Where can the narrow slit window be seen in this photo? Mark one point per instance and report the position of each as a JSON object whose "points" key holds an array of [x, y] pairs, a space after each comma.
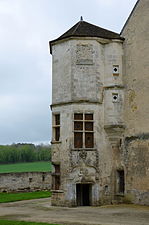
{"points": [[120, 181], [57, 133], [56, 177], [57, 119], [56, 127]]}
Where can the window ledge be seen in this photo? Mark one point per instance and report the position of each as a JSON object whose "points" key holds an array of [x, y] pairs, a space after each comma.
{"points": [[56, 142], [120, 194], [83, 149], [57, 191]]}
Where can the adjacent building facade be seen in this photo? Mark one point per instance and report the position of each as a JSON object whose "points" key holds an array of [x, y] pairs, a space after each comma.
{"points": [[100, 113]]}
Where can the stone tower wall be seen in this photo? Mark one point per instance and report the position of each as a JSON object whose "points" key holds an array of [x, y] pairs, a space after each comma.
{"points": [[136, 113], [84, 82]]}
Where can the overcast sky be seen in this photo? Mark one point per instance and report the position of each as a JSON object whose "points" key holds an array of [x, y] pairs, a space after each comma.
{"points": [[26, 26]]}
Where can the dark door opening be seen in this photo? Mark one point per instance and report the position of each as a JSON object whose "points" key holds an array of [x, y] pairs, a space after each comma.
{"points": [[121, 181], [83, 194]]}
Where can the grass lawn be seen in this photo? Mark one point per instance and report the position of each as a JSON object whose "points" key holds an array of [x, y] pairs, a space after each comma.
{"points": [[13, 222], [26, 167], [12, 197]]}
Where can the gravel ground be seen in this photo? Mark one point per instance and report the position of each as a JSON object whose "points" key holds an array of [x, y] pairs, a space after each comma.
{"points": [[40, 210]]}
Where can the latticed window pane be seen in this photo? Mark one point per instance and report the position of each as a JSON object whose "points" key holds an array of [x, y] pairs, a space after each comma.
{"points": [[78, 116], [78, 125], [88, 116], [89, 126], [89, 143], [78, 140]]}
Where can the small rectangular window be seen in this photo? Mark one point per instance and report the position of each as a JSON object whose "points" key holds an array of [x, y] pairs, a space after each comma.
{"points": [[57, 182], [56, 127], [57, 119], [115, 70], [115, 97], [56, 177], [57, 133], [57, 168]]}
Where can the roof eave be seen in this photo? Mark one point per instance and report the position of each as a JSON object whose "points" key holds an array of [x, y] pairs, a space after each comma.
{"points": [[72, 37]]}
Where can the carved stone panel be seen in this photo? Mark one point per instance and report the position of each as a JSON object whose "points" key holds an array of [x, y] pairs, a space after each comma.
{"points": [[88, 158], [83, 174], [84, 54]]}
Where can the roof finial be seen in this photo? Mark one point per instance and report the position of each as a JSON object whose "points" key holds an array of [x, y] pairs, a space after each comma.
{"points": [[81, 18]]}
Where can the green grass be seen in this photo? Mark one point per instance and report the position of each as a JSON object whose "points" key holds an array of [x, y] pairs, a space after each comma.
{"points": [[14, 222], [12, 197], [26, 167]]}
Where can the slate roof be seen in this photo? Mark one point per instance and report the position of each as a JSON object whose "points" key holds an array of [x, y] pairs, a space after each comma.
{"points": [[84, 29]]}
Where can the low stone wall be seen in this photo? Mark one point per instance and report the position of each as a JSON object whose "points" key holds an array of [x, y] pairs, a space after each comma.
{"points": [[26, 181]]}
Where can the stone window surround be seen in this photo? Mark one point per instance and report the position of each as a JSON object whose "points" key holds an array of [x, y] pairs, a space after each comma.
{"points": [[120, 180], [54, 127], [83, 131], [116, 70], [56, 181]]}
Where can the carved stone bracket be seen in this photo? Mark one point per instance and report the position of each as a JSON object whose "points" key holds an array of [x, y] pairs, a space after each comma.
{"points": [[83, 154], [87, 157], [114, 133]]}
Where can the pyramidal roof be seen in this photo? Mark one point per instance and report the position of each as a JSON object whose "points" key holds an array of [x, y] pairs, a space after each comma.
{"points": [[84, 29]]}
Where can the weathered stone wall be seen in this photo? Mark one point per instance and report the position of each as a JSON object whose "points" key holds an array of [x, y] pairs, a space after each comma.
{"points": [[136, 110], [136, 58], [136, 156], [81, 67], [61, 57], [27, 181], [108, 78], [92, 88]]}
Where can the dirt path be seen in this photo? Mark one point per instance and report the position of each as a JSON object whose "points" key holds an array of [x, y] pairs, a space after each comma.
{"points": [[41, 210]]}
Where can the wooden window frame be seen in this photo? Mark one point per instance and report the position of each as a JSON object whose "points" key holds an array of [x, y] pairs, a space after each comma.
{"points": [[56, 179], [56, 127], [85, 131]]}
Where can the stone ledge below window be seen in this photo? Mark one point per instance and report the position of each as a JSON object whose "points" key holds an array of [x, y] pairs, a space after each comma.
{"points": [[57, 191], [83, 149], [119, 194], [56, 142]]}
